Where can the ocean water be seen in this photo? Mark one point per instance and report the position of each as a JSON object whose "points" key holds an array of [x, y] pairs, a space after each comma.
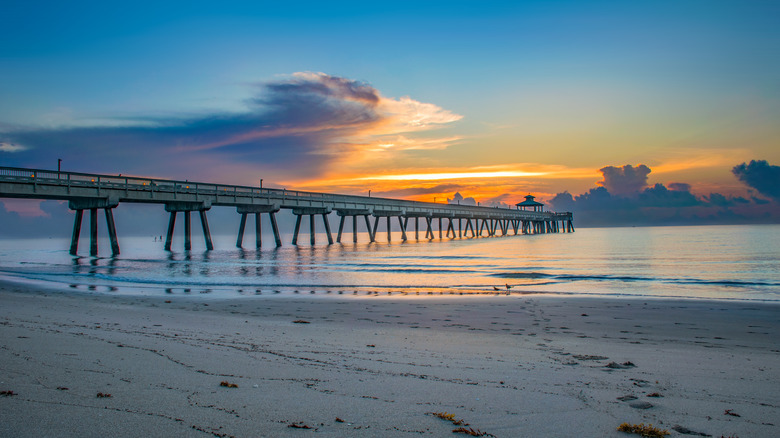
{"points": [[707, 262]]}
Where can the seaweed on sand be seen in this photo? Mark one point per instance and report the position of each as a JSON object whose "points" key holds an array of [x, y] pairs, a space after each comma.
{"points": [[449, 417], [471, 432], [640, 429], [299, 425]]}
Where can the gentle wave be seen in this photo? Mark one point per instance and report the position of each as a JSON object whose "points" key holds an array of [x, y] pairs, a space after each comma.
{"points": [[535, 275]]}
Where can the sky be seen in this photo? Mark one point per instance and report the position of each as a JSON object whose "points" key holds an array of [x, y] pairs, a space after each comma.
{"points": [[663, 112]]}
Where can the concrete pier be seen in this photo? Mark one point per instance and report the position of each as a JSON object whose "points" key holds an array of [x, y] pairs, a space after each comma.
{"points": [[92, 192]]}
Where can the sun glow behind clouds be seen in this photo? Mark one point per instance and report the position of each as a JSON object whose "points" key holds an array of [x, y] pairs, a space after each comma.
{"points": [[451, 175], [507, 182], [486, 172]]}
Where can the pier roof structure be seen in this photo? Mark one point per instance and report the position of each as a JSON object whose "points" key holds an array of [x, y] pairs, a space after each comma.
{"points": [[531, 204]]}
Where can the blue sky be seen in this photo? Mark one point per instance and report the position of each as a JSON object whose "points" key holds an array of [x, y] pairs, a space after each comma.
{"points": [[560, 89]]}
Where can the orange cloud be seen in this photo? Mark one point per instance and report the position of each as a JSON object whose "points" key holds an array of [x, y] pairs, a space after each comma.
{"points": [[699, 158]]}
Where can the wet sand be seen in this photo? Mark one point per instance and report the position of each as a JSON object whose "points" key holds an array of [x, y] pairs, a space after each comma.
{"points": [[363, 366]]}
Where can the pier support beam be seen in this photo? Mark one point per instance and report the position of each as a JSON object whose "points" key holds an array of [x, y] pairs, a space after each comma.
{"points": [[112, 231], [297, 229], [371, 231], [74, 241], [343, 213], [389, 228], [241, 227], [93, 204], [206, 232], [311, 212], [327, 228], [258, 232], [187, 208], [376, 224], [402, 223], [258, 210], [480, 226], [312, 231], [416, 216], [93, 236], [469, 225], [169, 234], [388, 214], [187, 231], [275, 229], [450, 228]]}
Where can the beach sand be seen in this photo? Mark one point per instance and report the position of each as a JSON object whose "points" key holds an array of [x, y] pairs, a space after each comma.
{"points": [[510, 366]]}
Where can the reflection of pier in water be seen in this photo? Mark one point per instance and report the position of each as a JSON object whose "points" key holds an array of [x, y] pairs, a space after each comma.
{"points": [[92, 192]]}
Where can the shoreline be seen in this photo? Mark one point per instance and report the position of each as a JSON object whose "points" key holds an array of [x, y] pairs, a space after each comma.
{"points": [[514, 365], [220, 292]]}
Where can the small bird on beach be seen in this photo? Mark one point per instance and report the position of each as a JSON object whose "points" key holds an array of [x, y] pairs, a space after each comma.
{"points": [[508, 286], [495, 288]]}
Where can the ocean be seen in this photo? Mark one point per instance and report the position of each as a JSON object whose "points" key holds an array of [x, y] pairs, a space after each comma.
{"points": [[737, 262]]}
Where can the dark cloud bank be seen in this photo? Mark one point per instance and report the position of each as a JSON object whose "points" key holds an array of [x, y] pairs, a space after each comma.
{"points": [[294, 124], [624, 199]]}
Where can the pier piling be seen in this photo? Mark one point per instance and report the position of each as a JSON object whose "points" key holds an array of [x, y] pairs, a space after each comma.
{"points": [[112, 231], [169, 234], [207, 234], [187, 231], [74, 241], [93, 232]]}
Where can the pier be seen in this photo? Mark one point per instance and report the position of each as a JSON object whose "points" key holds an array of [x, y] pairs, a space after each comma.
{"points": [[93, 192]]}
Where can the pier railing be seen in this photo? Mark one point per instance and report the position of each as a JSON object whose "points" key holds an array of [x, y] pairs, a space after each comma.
{"points": [[50, 184]]}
